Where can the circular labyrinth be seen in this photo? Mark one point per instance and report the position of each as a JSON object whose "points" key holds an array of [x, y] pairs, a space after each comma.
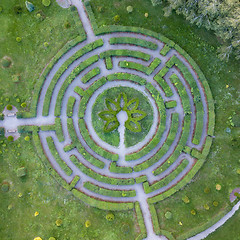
{"points": [[131, 115]]}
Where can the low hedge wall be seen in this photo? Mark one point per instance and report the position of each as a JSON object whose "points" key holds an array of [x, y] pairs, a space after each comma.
{"points": [[70, 105], [165, 181], [101, 178], [126, 76], [109, 63], [163, 84], [163, 150], [109, 192], [116, 169], [83, 65], [133, 41], [141, 179], [140, 219], [91, 74], [59, 130], [164, 51], [84, 50], [125, 53], [155, 222], [97, 149], [63, 165], [76, 143]]}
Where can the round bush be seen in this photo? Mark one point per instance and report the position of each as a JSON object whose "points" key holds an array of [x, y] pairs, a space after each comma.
{"points": [[206, 206], [110, 217], [6, 62], [10, 138], [218, 187], [46, 3], [146, 15], [186, 199], [193, 212], [9, 107], [52, 238], [87, 224], [23, 105], [207, 190], [27, 138], [116, 18], [59, 222], [129, 9], [238, 171], [17, 9], [215, 203], [45, 44], [18, 39], [5, 187], [168, 215]]}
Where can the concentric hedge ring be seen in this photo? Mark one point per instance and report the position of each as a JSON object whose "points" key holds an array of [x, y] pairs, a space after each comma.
{"points": [[179, 141]]}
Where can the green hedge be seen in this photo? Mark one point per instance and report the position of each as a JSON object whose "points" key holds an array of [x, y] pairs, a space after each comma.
{"points": [[79, 91], [91, 74], [141, 179], [125, 53], [171, 104], [109, 192], [155, 222], [87, 48], [163, 84], [58, 129], [163, 150], [139, 67], [116, 169], [165, 181], [109, 63], [99, 177], [203, 154], [83, 65], [105, 205], [140, 218], [126, 76], [153, 143], [99, 150], [38, 87], [164, 51], [133, 41], [70, 105], [76, 143], [62, 164]]}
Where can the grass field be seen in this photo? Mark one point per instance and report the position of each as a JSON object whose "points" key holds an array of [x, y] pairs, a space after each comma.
{"points": [[38, 192]]}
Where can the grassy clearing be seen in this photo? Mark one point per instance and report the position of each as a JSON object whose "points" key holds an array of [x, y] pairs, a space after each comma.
{"points": [[223, 161]]}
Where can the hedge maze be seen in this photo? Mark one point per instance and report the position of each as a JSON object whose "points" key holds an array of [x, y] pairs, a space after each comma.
{"points": [[170, 152]]}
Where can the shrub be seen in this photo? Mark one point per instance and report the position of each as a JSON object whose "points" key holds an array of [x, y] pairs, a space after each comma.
{"points": [[46, 3], [27, 138], [52, 238], [17, 9], [186, 199], [67, 25], [215, 203], [218, 187], [116, 18], [1, 9], [59, 222], [16, 78], [21, 172], [206, 206], [87, 224], [6, 62], [5, 187], [46, 44], [40, 15], [9, 107], [238, 171], [73, 8], [30, 7], [168, 215], [10, 138], [129, 9], [193, 212], [146, 15], [23, 105], [110, 217], [207, 190], [18, 39]]}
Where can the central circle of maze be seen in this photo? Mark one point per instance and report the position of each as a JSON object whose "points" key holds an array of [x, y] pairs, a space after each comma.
{"points": [[181, 138]]}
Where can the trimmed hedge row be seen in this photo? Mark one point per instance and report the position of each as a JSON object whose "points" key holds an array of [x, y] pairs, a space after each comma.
{"points": [[109, 63], [48, 127], [133, 41], [63, 165], [153, 143], [171, 104], [196, 154], [38, 87], [165, 181], [139, 67], [109, 192], [100, 178], [126, 76], [87, 94], [164, 51], [155, 222], [141, 179], [84, 50], [91, 74], [163, 150], [113, 206], [140, 220], [58, 129], [99, 150], [83, 65], [76, 143], [79, 91], [125, 53], [180, 147], [116, 169], [70, 105], [162, 83], [74, 182]]}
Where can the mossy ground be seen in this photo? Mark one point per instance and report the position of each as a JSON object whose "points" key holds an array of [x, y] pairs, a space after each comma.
{"points": [[41, 193]]}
